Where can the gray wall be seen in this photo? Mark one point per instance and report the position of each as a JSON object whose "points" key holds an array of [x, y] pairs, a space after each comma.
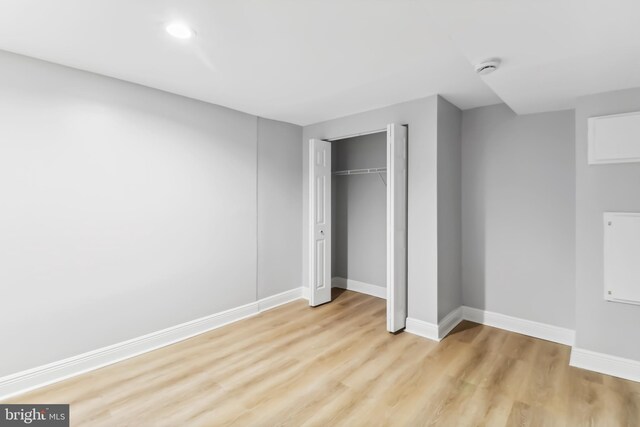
{"points": [[605, 327], [359, 216], [125, 210], [421, 116], [518, 217], [279, 207], [449, 208]]}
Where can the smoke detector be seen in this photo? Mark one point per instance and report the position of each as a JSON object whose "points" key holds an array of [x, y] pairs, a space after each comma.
{"points": [[488, 66]]}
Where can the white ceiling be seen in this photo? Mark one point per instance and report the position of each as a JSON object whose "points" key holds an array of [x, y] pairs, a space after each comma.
{"points": [[305, 61], [553, 51]]}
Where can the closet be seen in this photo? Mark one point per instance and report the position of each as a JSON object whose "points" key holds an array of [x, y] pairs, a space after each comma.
{"points": [[359, 214], [358, 218]]}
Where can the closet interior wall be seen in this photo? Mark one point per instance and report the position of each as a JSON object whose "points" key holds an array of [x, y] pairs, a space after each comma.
{"points": [[359, 210]]}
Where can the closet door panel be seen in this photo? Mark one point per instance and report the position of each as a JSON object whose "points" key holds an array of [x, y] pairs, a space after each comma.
{"points": [[320, 222], [396, 227]]}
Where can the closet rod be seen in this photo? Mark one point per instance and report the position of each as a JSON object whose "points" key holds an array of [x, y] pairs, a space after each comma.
{"points": [[360, 171]]}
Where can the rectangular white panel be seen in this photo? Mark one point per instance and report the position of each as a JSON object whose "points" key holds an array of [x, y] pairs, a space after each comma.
{"points": [[622, 257], [320, 282], [614, 139], [320, 189]]}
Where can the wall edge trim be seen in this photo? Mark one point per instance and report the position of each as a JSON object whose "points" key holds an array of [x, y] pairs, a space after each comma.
{"points": [[31, 379], [607, 364], [357, 286], [450, 321], [521, 326], [422, 329]]}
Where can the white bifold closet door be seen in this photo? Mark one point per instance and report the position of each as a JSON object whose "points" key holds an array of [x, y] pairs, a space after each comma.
{"points": [[396, 227], [320, 222]]}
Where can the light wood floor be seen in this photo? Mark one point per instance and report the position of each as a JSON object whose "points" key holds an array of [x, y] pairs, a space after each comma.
{"points": [[335, 365]]}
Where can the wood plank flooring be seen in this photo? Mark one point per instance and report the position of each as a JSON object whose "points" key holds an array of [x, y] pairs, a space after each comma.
{"points": [[336, 365]]}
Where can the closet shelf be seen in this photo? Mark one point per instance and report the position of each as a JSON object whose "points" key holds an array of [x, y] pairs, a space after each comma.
{"points": [[360, 171]]}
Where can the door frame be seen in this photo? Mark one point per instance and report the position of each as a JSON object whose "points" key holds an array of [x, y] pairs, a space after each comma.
{"points": [[387, 131]]}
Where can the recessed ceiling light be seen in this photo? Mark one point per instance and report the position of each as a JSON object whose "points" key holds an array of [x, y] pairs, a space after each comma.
{"points": [[180, 30]]}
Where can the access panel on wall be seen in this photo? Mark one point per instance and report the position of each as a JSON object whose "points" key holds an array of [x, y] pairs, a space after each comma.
{"points": [[622, 257], [614, 139]]}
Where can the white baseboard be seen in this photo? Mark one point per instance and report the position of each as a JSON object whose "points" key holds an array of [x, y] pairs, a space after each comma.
{"points": [[431, 330], [362, 287], [24, 381], [605, 364], [274, 301], [450, 321], [422, 329], [580, 358], [521, 326]]}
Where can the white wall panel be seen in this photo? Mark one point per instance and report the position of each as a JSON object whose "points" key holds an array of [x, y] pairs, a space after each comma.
{"points": [[614, 139], [622, 257]]}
